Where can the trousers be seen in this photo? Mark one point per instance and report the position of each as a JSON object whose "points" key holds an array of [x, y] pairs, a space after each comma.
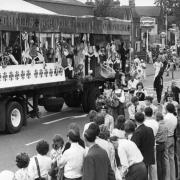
{"points": [[160, 158], [169, 159], [137, 172]]}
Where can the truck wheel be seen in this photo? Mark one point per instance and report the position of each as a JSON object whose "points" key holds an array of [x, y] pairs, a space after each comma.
{"points": [[93, 94], [84, 101], [14, 117], [53, 104], [73, 99]]}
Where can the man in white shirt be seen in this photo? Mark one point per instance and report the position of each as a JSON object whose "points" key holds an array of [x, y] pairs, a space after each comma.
{"points": [[132, 83], [43, 161], [73, 158], [171, 122], [153, 124], [150, 121], [131, 160], [134, 108], [158, 65]]}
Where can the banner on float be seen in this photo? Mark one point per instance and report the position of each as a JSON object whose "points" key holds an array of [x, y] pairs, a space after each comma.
{"points": [[26, 75]]}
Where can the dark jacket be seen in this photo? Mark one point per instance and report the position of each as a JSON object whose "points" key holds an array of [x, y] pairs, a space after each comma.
{"points": [[158, 82], [145, 141], [97, 165]]}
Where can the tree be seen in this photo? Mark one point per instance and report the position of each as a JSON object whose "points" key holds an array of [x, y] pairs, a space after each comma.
{"points": [[168, 6], [102, 7]]}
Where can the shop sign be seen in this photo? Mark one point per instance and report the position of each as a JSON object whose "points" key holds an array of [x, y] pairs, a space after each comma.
{"points": [[147, 22], [48, 23]]}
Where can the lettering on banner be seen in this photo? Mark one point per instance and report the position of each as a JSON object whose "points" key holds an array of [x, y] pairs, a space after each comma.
{"points": [[23, 75], [46, 73], [5, 76], [51, 72], [17, 75], [41, 73], [36, 73], [11, 76], [28, 74]]}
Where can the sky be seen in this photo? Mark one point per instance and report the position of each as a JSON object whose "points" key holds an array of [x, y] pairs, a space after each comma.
{"points": [[138, 2]]}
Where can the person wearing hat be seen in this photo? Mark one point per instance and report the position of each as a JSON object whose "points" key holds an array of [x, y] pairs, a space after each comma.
{"points": [[72, 159], [96, 163]]}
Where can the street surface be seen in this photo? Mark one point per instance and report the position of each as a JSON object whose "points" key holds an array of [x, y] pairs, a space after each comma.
{"points": [[50, 124]]}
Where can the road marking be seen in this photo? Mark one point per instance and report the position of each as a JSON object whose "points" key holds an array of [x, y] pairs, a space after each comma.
{"points": [[56, 120], [61, 119], [81, 116], [34, 142], [48, 115]]}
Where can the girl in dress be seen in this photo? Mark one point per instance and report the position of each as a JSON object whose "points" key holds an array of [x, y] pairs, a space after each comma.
{"points": [[140, 93]]}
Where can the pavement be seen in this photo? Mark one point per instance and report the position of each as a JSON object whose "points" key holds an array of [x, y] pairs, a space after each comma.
{"points": [[53, 123]]}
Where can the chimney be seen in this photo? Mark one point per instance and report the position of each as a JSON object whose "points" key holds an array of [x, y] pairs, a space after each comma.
{"points": [[132, 3]]}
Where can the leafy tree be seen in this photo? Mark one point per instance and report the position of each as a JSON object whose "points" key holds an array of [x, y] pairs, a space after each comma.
{"points": [[102, 7], [168, 6]]}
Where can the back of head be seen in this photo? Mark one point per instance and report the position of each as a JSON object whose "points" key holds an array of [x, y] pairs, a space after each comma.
{"points": [[92, 114], [148, 112], [139, 117], [95, 128], [42, 147], [73, 136], [120, 122], [91, 133], [104, 132], [170, 108], [129, 126], [22, 160], [75, 127], [134, 99], [159, 116], [99, 119], [149, 98]]}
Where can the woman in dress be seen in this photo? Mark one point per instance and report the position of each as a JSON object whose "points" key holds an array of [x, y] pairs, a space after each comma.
{"points": [[140, 93]]}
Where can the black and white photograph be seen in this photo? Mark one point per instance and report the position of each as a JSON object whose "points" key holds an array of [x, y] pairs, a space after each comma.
{"points": [[89, 89]]}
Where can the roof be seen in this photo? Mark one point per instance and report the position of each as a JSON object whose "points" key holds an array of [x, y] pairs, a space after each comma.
{"points": [[67, 2], [22, 6], [150, 11]]}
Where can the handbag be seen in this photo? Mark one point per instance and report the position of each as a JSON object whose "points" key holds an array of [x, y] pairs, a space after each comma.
{"points": [[38, 170]]}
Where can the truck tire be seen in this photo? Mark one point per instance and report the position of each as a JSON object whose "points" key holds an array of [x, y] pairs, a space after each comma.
{"points": [[73, 99], [14, 117], [84, 101], [92, 97], [53, 104]]}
